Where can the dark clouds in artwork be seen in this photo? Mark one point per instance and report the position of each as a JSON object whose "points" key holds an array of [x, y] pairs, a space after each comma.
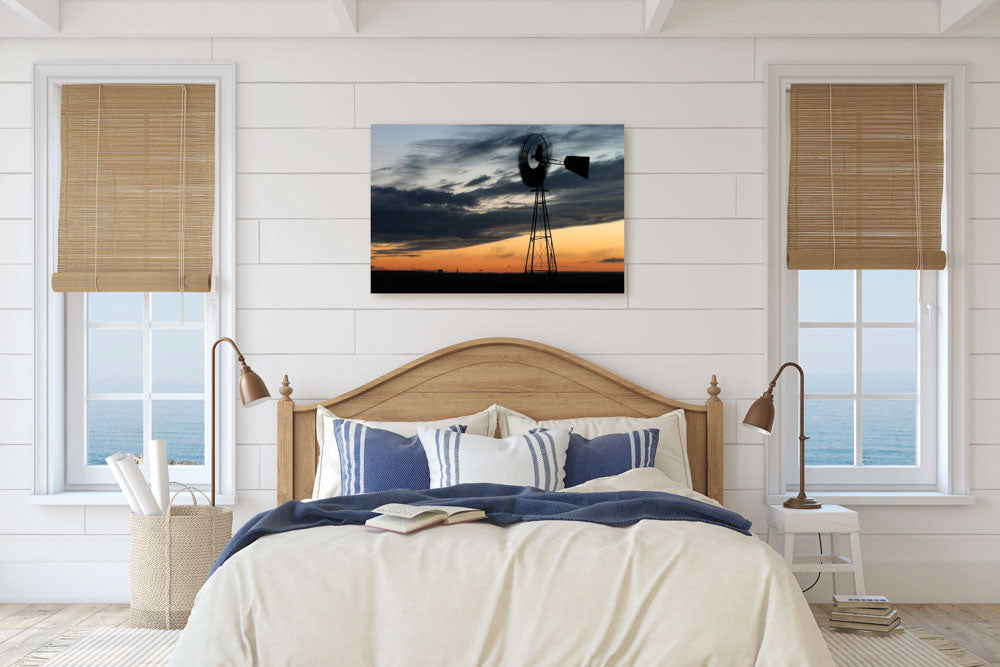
{"points": [[440, 187]]}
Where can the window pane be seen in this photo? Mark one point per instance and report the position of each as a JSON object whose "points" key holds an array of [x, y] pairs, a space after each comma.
{"points": [[182, 425], [888, 432], [826, 296], [113, 426], [194, 306], [827, 357], [889, 296], [178, 360], [166, 307], [114, 307], [889, 361], [830, 427], [114, 360]]}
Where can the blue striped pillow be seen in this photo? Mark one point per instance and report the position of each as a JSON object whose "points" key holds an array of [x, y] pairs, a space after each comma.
{"points": [[610, 454], [372, 459]]}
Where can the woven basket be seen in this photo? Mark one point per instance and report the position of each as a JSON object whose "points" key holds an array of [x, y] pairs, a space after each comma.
{"points": [[170, 559]]}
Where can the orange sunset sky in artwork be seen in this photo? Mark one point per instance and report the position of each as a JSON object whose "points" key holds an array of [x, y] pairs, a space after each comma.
{"points": [[576, 250]]}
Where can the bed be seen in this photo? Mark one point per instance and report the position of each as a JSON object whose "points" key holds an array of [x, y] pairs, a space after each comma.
{"points": [[544, 592]]}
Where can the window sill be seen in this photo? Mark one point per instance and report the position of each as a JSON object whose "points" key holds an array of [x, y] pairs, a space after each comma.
{"points": [[112, 498], [850, 498]]}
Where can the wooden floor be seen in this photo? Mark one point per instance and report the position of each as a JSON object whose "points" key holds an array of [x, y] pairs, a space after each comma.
{"points": [[26, 627], [974, 627]]}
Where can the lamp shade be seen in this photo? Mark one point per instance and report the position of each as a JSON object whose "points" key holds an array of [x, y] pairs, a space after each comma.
{"points": [[760, 416], [252, 388]]}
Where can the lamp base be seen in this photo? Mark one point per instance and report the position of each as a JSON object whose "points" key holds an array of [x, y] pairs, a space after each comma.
{"points": [[802, 504]]}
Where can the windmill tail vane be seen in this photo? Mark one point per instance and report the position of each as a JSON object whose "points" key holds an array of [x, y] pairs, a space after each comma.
{"points": [[533, 162]]}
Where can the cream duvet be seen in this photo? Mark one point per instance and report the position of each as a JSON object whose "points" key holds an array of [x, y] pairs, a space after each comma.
{"points": [[540, 593]]}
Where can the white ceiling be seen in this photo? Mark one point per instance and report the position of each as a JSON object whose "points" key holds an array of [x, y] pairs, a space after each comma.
{"points": [[418, 18]]}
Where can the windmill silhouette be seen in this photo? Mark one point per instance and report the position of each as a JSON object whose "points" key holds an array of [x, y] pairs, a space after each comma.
{"points": [[533, 162]]}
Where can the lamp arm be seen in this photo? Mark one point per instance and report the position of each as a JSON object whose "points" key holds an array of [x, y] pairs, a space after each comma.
{"points": [[781, 368], [802, 395], [239, 355]]}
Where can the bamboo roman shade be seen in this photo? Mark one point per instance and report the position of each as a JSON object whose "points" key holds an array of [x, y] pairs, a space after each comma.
{"points": [[137, 190], [866, 176]]}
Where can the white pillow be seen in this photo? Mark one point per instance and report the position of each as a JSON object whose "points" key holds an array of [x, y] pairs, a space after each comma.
{"points": [[639, 479], [327, 482], [671, 452], [536, 459]]}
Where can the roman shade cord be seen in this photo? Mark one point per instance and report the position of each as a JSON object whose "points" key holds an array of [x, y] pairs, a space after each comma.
{"points": [[180, 245], [866, 176], [916, 201], [916, 183], [97, 185], [136, 202], [833, 201]]}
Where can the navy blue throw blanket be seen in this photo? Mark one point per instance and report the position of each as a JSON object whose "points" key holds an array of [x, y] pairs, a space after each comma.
{"points": [[502, 503]]}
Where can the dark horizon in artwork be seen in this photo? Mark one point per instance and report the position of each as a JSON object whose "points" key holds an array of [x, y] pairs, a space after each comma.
{"points": [[453, 209]]}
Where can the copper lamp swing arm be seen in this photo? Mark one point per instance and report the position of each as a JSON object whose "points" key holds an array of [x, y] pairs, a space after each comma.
{"points": [[802, 398], [239, 356]]}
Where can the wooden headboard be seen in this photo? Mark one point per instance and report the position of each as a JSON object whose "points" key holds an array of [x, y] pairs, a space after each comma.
{"points": [[540, 381]]}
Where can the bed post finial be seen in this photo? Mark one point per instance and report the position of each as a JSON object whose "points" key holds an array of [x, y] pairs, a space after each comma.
{"points": [[714, 445], [286, 426], [713, 390]]}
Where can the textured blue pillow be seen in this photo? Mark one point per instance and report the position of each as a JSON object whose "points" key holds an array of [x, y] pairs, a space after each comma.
{"points": [[610, 454], [372, 459]]}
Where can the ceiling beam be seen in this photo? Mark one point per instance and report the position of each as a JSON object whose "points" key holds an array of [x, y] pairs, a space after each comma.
{"points": [[44, 13], [958, 14], [656, 15], [347, 14]]}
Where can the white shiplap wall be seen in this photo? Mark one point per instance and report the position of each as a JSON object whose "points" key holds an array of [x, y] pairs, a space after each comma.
{"points": [[693, 111]]}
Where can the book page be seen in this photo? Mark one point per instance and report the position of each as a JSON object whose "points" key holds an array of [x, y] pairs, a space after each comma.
{"points": [[406, 511], [450, 511]]}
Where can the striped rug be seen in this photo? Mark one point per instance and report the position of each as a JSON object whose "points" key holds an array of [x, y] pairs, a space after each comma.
{"points": [[101, 647], [914, 648]]}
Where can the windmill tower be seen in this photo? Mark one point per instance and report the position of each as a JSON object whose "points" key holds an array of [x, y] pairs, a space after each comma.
{"points": [[533, 162]]}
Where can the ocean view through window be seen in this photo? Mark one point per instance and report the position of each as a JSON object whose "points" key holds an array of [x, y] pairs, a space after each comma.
{"points": [[145, 374], [858, 341]]}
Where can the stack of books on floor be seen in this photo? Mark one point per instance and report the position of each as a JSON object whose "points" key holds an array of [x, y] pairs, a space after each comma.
{"points": [[864, 613]]}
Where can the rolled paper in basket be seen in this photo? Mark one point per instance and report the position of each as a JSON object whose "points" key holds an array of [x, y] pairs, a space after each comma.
{"points": [[122, 483], [136, 482], [158, 474]]}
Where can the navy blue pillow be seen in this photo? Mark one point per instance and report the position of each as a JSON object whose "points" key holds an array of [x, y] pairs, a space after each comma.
{"points": [[372, 459], [610, 454]]}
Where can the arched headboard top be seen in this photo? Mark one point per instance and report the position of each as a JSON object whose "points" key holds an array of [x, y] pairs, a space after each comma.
{"points": [[538, 380]]}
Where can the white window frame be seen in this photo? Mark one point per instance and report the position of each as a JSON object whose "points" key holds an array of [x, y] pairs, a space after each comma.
{"points": [[947, 306], [80, 475], [923, 475], [51, 482]]}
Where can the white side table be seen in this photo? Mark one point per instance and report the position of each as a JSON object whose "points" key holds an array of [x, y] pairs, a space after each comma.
{"points": [[832, 519]]}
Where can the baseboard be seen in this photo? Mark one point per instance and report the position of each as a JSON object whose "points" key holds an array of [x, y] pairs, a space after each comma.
{"points": [[918, 582], [64, 582]]}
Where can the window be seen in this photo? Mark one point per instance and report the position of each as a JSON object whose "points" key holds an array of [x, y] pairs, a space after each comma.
{"points": [[883, 349], [136, 372], [115, 369], [862, 339]]}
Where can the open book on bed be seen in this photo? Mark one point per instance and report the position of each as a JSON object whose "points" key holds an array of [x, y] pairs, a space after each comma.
{"points": [[402, 518]]}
